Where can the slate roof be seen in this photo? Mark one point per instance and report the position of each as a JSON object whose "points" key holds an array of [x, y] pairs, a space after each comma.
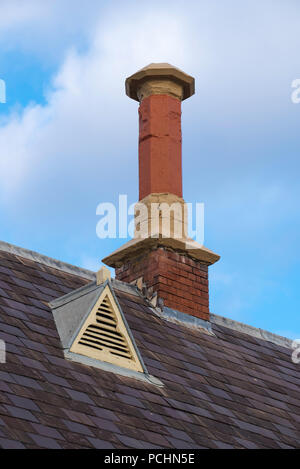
{"points": [[231, 390]]}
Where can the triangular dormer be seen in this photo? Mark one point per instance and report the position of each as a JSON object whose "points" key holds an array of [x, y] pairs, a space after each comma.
{"points": [[94, 331], [105, 335]]}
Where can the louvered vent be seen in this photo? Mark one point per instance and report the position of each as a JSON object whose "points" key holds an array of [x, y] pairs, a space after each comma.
{"points": [[104, 335]]}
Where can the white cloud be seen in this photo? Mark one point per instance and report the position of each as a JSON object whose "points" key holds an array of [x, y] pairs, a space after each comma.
{"points": [[17, 13], [85, 105], [45, 28], [88, 126], [16, 147]]}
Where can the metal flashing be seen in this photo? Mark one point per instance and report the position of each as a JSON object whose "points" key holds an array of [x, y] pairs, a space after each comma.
{"points": [[112, 368], [173, 315], [125, 287], [252, 331]]}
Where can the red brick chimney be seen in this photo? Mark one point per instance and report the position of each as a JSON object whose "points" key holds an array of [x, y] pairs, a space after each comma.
{"points": [[172, 268], [160, 166]]}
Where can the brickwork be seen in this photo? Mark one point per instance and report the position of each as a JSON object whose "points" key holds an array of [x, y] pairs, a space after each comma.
{"points": [[180, 281], [160, 166]]}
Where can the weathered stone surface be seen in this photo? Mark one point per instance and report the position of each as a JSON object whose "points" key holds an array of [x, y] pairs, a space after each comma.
{"points": [[154, 75], [164, 214]]}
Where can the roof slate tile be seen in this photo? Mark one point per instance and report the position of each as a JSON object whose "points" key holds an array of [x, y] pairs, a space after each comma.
{"points": [[100, 444], [228, 390], [5, 443], [78, 428], [79, 396], [23, 402], [22, 414], [44, 442]]}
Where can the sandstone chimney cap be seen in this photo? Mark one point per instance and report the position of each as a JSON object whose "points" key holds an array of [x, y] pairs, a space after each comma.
{"points": [[160, 71]]}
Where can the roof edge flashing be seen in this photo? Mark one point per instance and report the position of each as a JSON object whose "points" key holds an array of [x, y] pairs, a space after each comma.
{"points": [[175, 316], [252, 331], [178, 317], [110, 367], [124, 287]]}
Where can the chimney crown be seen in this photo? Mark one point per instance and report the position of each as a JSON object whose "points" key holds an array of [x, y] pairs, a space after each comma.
{"points": [[160, 78]]}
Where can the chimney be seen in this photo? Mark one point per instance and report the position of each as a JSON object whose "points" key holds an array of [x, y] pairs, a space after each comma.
{"points": [[171, 267]]}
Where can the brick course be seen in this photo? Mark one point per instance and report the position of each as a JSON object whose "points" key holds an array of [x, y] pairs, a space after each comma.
{"points": [[160, 166], [181, 282]]}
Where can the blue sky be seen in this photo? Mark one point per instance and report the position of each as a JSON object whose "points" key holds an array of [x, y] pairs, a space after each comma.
{"points": [[68, 134]]}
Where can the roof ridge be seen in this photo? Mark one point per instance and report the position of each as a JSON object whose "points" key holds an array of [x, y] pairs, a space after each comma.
{"points": [[46, 260]]}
